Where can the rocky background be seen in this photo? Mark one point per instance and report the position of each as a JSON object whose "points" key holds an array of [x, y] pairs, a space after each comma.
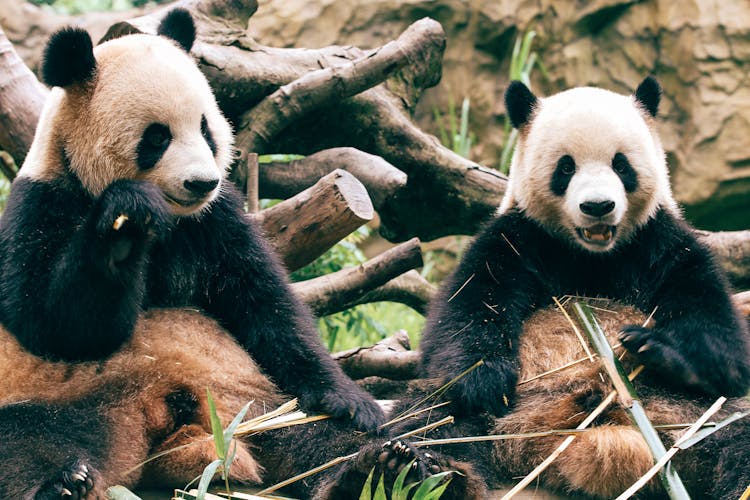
{"points": [[698, 49]]}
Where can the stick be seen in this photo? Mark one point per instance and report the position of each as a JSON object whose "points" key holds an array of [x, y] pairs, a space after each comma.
{"points": [[629, 398], [674, 449]]}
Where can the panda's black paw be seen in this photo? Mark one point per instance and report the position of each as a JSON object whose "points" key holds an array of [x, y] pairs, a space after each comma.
{"points": [[488, 388], [389, 460], [72, 483], [349, 403], [128, 215], [654, 350]]}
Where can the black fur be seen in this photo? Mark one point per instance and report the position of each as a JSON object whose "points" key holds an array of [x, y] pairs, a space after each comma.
{"points": [[519, 103], [625, 171], [566, 167], [152, 146], [648, 94], [179, 26], [206, 132], [74, 285], [74, 437], [699, 342], [68, 58]]}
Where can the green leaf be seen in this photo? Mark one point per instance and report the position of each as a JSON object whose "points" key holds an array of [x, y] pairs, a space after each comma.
{"points": [[208, 474], [216, 428], [120, 493], [398, 492], [229, 431], [430, 484], [438, 492], [366, 493], [380, 490]]}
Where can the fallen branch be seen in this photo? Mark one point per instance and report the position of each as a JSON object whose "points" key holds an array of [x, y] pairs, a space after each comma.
{"points": [[390, 358], [732, 250], [322, 88], [303, 227], [410, 289], [281, 180], [21, 101], [336, 291]]}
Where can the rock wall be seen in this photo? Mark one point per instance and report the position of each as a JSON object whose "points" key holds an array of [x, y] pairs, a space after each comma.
{"points": [[698, 49]]}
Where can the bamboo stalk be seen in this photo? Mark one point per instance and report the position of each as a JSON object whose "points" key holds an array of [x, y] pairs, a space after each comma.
{"points": [[629, 398], [664, 460]]}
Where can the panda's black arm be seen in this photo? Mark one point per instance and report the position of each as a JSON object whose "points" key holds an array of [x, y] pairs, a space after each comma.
{"points": [[699, 339], [250, 295], [478, 315], [63, 297]]}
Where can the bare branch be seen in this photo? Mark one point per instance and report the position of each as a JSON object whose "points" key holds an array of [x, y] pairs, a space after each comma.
{"points": [[337, 291], [21, 101], [732, 250], [303, 227], [410, 289], [391, 358], [285, 179]]}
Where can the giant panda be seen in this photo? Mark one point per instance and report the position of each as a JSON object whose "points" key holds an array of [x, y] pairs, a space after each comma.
{"points": [[589, 212], [121, 209]]}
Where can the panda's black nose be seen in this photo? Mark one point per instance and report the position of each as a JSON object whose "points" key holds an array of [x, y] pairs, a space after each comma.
{"points": [[597, 208], [201, 187]]}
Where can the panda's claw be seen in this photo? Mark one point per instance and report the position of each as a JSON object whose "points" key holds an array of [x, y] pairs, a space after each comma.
{"points": [[73, 483]]}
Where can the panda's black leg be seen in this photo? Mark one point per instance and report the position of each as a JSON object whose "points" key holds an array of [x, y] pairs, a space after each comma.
{"points": [[73, 483]]}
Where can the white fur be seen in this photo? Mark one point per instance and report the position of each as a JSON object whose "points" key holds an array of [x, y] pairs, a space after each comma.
{"points": [[591, 125], [140, 79]]}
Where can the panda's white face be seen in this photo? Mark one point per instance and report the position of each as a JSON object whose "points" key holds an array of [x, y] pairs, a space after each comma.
{"points": [[589, 168], [147, 114]]}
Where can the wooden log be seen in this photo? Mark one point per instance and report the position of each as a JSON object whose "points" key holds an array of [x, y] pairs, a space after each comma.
{"points": [[410, 289], [337, 291], [732, 251], [391, 358], [303, 227], [280, 180], [21, 100]]}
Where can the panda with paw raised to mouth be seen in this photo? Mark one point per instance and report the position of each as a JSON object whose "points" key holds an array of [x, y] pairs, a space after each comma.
{"points": [[122, 208]]}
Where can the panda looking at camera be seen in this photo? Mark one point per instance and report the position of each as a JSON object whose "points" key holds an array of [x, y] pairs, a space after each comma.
{"points": [[588, 212]]}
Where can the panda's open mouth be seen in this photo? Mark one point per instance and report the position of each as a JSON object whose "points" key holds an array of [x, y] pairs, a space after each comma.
{"points": [[599, 234]]}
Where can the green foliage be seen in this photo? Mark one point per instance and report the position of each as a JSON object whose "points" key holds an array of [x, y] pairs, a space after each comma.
{"points": [[225, 449], [522, 63], [364, 324], [456, 136], [431, 488]]}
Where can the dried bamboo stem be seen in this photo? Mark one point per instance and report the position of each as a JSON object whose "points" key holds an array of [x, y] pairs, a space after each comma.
{"points": [[629, 398], [664, 460], [564, 445]]}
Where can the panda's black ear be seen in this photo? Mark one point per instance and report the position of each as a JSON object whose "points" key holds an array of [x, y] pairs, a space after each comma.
{"points": [[648, 94], [179, 26], [519, 103], [68, 58]]}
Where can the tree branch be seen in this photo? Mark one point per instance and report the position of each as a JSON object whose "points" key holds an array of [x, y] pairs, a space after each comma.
{"points": [[285, 179], [337, 291], [21, 101], [303, 227], [732, 251], [391, 358], [410, 289]]}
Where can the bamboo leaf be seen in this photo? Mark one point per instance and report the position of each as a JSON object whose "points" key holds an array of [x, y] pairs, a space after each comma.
{"points": [[216, 428], [438, 492], [430, 483], [380, 490], [366, 493], [229, 431], [208, 474], [398, 492]]}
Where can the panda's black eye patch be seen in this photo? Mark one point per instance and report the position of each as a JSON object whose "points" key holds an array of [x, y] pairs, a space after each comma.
{"points": [[566, 167], [625, 172], [207, 135], [154, 142]]}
